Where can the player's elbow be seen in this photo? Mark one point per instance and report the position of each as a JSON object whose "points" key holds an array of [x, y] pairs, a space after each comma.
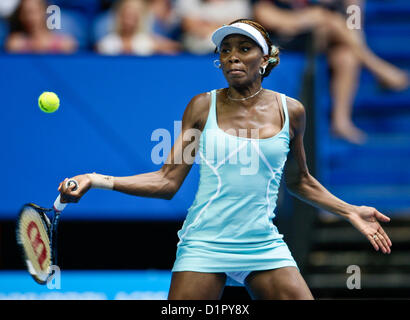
{"points": [[295, 183], [169, 195], [169, 190]]}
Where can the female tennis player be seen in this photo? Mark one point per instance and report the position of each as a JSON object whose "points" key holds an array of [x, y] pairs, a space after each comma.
{"points": [[228, 235]]}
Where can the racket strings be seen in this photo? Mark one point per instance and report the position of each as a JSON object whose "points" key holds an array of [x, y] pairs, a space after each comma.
{"points": [[32, 235]]}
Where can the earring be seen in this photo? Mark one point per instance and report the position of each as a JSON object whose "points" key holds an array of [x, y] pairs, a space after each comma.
{"points": [[217, 64], [262, 70]]}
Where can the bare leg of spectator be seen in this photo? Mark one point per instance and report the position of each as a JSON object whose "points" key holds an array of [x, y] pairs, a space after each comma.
{"points": [[386, 73], [345, 73], [343, 85], [292, 22]]}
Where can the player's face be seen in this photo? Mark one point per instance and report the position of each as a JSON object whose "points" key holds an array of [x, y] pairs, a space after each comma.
{"points": [[241, 59]]}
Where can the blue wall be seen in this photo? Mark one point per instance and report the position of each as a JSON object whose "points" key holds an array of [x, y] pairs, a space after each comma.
{"points": [[109, 108]]}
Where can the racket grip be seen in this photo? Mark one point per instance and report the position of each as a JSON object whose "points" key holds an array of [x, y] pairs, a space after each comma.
{"points": [[58, 205]]}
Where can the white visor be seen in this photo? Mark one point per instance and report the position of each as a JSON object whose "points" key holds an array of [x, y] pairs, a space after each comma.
{"points": [[240, 28]]}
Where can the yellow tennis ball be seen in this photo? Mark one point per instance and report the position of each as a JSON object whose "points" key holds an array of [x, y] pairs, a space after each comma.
{"points": [[48, 102]]}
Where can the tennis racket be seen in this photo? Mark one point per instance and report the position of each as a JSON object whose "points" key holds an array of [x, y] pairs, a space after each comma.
{"points": [[36, 234]]}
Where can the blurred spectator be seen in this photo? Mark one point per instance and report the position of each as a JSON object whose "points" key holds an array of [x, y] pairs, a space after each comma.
{"points": [[346, 50], [132, 34], [3, 32], [163, 19], [200, 18], [29, 32]]}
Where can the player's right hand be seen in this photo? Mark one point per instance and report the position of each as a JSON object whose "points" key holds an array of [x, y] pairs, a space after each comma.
{"points": [[68, 194]]}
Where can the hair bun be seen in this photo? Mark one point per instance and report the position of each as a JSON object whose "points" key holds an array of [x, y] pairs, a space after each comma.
{"points": [[274, 55]]}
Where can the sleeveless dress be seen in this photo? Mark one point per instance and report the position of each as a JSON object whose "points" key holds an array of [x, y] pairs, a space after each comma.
{"points": [[229, 225]]}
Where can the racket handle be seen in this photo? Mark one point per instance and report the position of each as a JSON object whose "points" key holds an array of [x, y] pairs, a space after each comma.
{"points": [[58, 205]]}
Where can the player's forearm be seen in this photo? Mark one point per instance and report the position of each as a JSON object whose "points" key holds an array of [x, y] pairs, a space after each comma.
{"points": [[309, 190], [151, 185]]}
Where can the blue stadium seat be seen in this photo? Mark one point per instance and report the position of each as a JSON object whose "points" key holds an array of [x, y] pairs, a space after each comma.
{"points": [[382, 11], [4, 30], [88, 7], [76, 24], [170, 31], [387, 27], [102, 24], [376, 173]]}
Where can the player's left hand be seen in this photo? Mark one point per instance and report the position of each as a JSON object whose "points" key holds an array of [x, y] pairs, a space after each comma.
{"points": [[366, 220]]}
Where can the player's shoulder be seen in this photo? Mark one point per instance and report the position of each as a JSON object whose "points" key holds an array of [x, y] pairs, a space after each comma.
{"points": [[197, 110], [297, 116], [200, 100], [199, 104], [295, 108]]}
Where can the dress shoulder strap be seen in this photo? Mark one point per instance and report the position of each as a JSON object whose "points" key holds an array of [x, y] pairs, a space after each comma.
{"points": [[285, 110], [211, 121]]}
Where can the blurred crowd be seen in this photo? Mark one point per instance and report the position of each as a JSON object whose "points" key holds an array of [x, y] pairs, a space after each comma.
{"points": [[139, 27], [148, 27]]}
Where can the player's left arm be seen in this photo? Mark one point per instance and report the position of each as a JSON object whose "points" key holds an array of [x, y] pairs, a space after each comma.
{"points": [[304, 186]]}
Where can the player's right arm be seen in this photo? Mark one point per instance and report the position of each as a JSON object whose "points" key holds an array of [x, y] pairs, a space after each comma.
{"points": [[163, 183]]}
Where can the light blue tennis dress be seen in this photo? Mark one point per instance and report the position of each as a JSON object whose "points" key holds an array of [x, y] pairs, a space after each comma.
{"points": [[229, 226]]}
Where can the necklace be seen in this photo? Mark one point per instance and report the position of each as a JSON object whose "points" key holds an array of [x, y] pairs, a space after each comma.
{"points": [[243, 99]]}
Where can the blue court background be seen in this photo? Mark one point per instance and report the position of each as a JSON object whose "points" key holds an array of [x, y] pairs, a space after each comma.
{"points": [[110, 106]]}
